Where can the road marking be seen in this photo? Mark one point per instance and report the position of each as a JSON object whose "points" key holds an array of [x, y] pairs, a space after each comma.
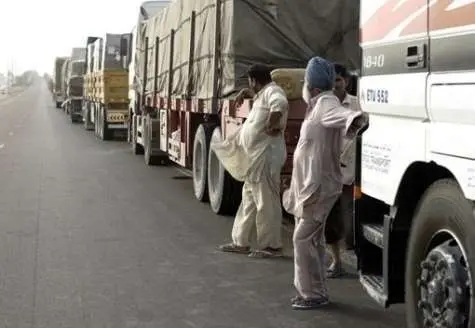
{"points": [[2, 146], [10, 133]]}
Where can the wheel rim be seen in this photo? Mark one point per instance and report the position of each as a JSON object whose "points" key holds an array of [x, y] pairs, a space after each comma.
{"points": [[445, 286], [214, 170], [198, 169]]}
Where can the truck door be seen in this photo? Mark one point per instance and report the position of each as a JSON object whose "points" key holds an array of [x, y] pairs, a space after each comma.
{"points": [[392, 89], [394, 42], [451, 89]]}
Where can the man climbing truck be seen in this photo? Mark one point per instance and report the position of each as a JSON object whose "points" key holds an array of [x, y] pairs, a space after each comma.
{"points": [[415, 224], [106, 85], [192, 60]]}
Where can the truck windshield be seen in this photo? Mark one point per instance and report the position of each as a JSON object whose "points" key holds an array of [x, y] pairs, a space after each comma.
{"points": [[77, 68]]}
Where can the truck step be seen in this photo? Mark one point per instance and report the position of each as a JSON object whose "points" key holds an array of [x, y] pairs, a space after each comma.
{"points": [[374, 286], [374, 233]]}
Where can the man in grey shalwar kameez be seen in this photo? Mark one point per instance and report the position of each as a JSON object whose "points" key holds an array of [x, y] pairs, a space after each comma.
{"points": [[316, 180]]}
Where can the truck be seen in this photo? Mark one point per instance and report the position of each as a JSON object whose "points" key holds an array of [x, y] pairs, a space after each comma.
{"points": [[147, 9], [64, 75], [59, 94], [106, 85], [415, 190], [75, 84], [192, 58]]}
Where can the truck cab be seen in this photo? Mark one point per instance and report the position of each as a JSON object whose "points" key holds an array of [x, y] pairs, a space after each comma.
{"points": [[415, 187]]}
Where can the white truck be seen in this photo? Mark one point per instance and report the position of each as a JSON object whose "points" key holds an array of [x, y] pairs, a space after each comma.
{"points": [[414, 213]]}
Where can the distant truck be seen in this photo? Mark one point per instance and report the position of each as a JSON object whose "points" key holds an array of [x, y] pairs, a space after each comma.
{"points": [[75, 84], [59, 93], [106, 85]]}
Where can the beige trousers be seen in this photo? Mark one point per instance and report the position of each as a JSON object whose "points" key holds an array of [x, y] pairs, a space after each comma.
{"points": [[261, 212], [309, 250]]}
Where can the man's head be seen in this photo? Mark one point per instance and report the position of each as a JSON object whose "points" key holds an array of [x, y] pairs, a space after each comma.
{"points": [[259, 76], [319, 77], [342, 79]]}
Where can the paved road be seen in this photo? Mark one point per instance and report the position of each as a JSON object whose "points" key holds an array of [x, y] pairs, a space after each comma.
{"points": [[90, 237]]}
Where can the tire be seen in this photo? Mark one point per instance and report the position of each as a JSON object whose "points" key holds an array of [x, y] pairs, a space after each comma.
{"points": [[149, 159], [443, 221], [58, 105], [106, 134], [137, 149], [152, 160], [200, 161], [224, 191], [96, 121]]}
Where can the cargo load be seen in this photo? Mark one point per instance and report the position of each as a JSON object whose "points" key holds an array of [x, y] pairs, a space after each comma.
{"points": [[291, 80], [277, 33]]}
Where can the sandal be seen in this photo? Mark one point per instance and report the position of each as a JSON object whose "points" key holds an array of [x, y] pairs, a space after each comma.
{"points": [[335, 271], [266, 253], [310, 304], [232, 248]]}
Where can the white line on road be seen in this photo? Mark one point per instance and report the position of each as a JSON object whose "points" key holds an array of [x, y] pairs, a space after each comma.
{"points": [[10, 133], [2, 146]]}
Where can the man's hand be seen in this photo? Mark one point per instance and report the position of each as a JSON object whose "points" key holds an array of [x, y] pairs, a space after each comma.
{"points": [[273, 131], [273, 124], [243, 94]]}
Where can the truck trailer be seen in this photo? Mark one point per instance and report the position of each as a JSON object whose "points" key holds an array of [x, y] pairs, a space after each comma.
{"points": [[192, 58], [75, 84], [106, 85], [59, 94]]}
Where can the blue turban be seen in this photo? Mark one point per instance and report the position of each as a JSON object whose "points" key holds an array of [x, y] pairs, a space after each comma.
{"points": [[320, 74]]}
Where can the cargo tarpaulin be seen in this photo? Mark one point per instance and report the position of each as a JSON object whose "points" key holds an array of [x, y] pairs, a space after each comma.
{"points": [[280, 33]]}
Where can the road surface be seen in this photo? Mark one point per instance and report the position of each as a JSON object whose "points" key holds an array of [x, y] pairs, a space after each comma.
{"points": [[91, 237]]}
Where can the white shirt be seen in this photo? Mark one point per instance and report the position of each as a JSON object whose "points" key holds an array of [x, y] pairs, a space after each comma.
{"points": [[348, 156], [316, 163], [250, 151]]}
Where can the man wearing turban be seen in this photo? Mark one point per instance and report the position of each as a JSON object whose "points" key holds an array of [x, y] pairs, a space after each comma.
{"points": [[316, 181]]}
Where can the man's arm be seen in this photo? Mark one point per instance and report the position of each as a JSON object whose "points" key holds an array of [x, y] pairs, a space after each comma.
{"points": [[334, 115], [243, 94], [278, 105]]}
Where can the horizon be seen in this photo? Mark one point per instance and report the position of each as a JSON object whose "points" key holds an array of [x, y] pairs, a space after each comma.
{"points": [[61, 26]]}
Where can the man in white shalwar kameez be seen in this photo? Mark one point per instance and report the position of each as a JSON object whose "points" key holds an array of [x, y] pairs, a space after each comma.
{"points": [[255, 154], [316, 181]]}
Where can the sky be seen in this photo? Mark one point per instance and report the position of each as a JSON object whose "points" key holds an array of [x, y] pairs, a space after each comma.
{"points": [[34, 32]]}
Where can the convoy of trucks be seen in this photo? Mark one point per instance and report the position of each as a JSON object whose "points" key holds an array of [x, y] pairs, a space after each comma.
{"points": [[170, 85]]}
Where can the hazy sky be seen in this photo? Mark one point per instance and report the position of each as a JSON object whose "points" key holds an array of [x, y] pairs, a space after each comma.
{"points": [[33, 32]]}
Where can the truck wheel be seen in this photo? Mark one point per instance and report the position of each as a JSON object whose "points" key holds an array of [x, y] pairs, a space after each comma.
{"points": [[438, 279], [96, 121], [224, 191], [149, 159], [200, 161], [106, 134], [137, 149]]}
